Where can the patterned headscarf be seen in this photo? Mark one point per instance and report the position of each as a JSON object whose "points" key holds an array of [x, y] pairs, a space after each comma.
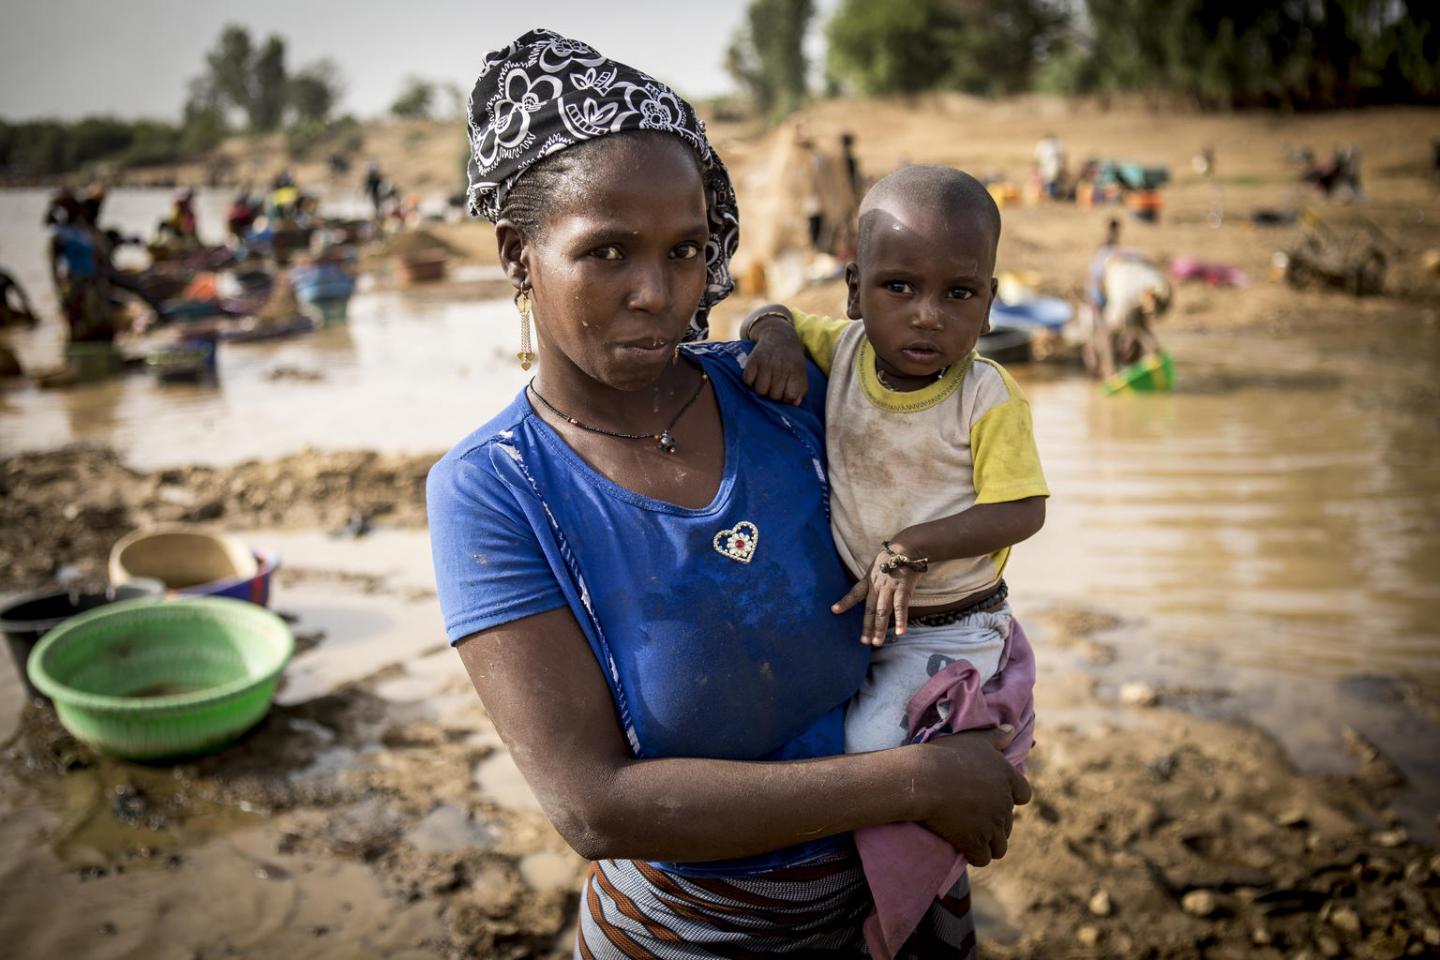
{"points": [[544, 92]]}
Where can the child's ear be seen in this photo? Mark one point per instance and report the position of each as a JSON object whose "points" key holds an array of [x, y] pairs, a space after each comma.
{"points": [[852, 285]]}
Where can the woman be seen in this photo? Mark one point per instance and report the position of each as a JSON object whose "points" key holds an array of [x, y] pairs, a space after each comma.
{"points": [[634, 557]]}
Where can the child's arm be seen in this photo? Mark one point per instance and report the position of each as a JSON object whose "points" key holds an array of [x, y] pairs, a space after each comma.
{"points": [[1009, 507], [776, 367], [983, 529], [783, 339]]}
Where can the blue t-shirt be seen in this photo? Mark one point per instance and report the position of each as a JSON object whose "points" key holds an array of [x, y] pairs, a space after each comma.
{"points": [[712, 625]]}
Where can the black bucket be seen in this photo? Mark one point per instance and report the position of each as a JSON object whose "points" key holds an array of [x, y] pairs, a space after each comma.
{"points": [[26, 619]]}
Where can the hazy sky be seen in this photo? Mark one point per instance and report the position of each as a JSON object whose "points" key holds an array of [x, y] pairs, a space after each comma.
{"points": [[132, 58]]}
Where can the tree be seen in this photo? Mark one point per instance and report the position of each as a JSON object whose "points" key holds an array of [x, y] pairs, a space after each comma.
{"points": [[906, 46], [767, 56], [415, 100], [229, 68], [202, 124], [896, 47], [267, 108], [1226, 53], [315, 90]]}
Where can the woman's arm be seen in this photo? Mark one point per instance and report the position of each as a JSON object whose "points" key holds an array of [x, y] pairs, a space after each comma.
{"points": [[550, 704]]}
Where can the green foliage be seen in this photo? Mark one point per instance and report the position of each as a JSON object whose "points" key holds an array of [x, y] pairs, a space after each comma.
{"points": [[767, 57], [980, 46], [252, 81], [315, 90], [48, 147], [267, 106], [229, 65], [1325, 53], [415, 100]]}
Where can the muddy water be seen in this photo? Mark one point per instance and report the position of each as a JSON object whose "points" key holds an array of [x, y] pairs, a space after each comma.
{"points": [[399, 376], [1267, 535]]}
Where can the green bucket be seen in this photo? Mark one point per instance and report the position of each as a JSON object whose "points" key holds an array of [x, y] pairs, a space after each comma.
{"points": [[1149, 374], [147, 681]]}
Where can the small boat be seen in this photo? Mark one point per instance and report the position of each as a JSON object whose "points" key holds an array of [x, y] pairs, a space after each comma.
{"points": [[249, 330], [1032, 313], [1005, 345], [323, 290]]}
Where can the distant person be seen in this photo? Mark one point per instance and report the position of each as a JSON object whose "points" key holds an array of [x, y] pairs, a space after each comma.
{"points": [[811, 203], [1050, 159], [374, 187], [15, 306], [180, 226], [240, 216], [1337, 177], [852, 164], [92, 201], [1128, 292], [79, 267]]}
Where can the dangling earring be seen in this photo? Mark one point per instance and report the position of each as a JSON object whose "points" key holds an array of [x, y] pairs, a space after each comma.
{"points": [[526, 356]]}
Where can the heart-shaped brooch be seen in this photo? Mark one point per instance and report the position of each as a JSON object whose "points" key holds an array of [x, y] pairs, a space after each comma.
{"points": [[738, 543]]}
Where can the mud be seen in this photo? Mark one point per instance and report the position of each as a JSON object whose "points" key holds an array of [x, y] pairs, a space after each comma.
{"points": [[1154, 833], [341, 781], [61, 510]]}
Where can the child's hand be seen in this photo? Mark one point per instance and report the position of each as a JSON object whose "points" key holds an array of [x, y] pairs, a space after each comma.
{"points": [[886, 593], [776, 367]]}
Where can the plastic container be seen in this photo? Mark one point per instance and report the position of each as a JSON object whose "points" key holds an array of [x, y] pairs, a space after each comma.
{"points": [[181, 556], [1145, 205], [92, 361], [255, 589], [25, 620], [150, 681], [1149, 374]]}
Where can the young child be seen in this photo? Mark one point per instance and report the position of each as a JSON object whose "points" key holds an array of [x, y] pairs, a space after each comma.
{"points": [[934, 476]]}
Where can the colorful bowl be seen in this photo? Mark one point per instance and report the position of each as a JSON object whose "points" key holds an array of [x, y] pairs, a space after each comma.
{"points": [[149, 681]]}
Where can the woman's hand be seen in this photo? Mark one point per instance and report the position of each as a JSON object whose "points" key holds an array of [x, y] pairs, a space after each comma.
{"points": [[975, 792], [886, 595], [776, 367]]}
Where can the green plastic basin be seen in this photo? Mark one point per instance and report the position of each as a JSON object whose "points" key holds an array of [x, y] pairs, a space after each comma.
{"points": [[1147, 375], [146, 681]]}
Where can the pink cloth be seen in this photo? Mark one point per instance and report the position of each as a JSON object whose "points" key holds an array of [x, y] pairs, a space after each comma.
{"points": [[907, 866]]}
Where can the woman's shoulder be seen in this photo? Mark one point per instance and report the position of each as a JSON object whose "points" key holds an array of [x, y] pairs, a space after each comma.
{"points": [[725, 361], [471, 466]]}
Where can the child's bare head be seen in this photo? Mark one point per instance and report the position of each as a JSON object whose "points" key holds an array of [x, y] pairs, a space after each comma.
{"points": [[923, 276], [951, 202]]}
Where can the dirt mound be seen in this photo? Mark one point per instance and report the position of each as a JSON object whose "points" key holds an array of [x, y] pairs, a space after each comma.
{"points": [[65, 508]]}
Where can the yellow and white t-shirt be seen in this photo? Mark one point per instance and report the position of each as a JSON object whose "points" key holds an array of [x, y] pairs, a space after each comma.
{"points": [[897, 459]]}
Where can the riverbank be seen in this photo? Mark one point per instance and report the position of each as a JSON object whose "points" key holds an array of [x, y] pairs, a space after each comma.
{"points": [[376, 812]]}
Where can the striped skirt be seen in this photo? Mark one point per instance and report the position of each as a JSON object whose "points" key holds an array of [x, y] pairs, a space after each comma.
{"points": [[631, 909]]}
